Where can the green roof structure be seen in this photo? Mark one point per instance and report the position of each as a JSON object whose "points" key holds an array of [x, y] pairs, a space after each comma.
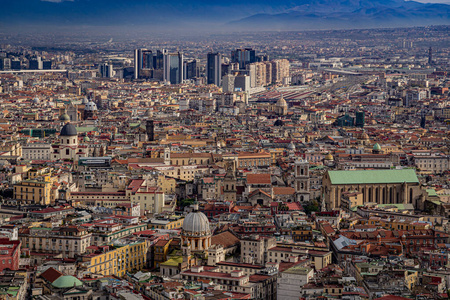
{"points": [[86, 129], [66, 282], [298, 270], [376, 147], [373, 176], [432, 192], [173, 262]]}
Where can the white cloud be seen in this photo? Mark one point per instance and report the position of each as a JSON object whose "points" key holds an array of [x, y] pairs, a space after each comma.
{"points": [[433, 1]]}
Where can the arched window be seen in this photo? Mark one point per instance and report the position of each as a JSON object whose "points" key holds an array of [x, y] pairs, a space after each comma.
{"points": [[410, 195]]}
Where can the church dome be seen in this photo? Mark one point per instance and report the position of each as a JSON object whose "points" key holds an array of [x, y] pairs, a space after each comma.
{"points": [[86, 139], [64, 117], [68, 130], [278, 123], [281, 102], [149, 113], [365, 136], [91, 106], [196, 224], [36, 100], [84, 101], [68, 281], [377, 147], [291, 146], [329, 157]]}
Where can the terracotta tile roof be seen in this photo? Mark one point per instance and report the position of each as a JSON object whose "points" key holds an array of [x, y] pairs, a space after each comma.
{"points": [[258, 179], [255, 192], [51, 274], [226, 239], [283, 191]]}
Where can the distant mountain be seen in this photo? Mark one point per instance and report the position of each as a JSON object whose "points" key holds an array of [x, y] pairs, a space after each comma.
{"points": [[214, 14], [329, 14]]}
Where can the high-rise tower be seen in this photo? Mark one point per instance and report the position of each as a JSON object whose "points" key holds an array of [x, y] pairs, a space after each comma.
{"points": [[430, 56], [243, 57], [214, 68], [173, 68]]}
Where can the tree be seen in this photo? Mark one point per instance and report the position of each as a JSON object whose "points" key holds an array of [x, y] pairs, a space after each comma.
{"points": [[186, 202], [312, 206]]}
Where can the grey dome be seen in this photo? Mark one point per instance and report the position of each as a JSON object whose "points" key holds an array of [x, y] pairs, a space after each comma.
{"points": [[68, 130], [91, 106], [291, 146], [196, 224], [84, 101], [36, 100]]}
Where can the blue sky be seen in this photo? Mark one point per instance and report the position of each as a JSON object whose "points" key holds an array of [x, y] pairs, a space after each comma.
{"points": [[205, 13]]}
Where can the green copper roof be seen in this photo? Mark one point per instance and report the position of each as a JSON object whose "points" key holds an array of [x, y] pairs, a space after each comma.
{"points": [[86, 129], [66, 282], [376, 147], [373, 176], [173, 262], [432, 192]]}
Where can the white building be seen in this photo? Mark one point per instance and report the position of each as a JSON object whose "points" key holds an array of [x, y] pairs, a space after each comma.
{"points": [[37, 151], [290, 282]]}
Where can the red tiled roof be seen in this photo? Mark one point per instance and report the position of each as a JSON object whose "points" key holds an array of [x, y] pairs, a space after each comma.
{"points": [[226, 239], [283, 191], [391, 297], [258, 179], [51, 274]]}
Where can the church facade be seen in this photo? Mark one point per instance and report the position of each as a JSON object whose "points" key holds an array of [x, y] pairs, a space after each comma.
{"points": [[68, 148]]}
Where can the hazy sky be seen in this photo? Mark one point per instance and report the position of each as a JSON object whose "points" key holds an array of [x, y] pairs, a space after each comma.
{"points": [[203, 14]]}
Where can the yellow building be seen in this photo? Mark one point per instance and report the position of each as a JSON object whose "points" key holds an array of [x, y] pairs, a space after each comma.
{"points": [[187, 172], [185, 159], [167, 185], [275, 154], [173, 222], [127, 255], [396, 224], [36, 173], [151, 201], [351, 199], [411, 279], [12, 148], [36, 191], [258, 159], [161, 252]]}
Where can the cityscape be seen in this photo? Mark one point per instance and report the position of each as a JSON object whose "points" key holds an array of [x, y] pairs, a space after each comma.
{"points": [[266, 164]]}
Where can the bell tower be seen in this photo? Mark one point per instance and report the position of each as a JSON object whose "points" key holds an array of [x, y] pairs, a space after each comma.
{"points": [[186, 251], [229, 182], [302, 182]]}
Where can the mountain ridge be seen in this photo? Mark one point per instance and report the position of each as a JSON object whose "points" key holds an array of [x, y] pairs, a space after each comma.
{"points": [[233, 14]]}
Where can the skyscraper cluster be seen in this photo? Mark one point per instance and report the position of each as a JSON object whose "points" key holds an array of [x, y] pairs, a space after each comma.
{"points": [[245, 70]]}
